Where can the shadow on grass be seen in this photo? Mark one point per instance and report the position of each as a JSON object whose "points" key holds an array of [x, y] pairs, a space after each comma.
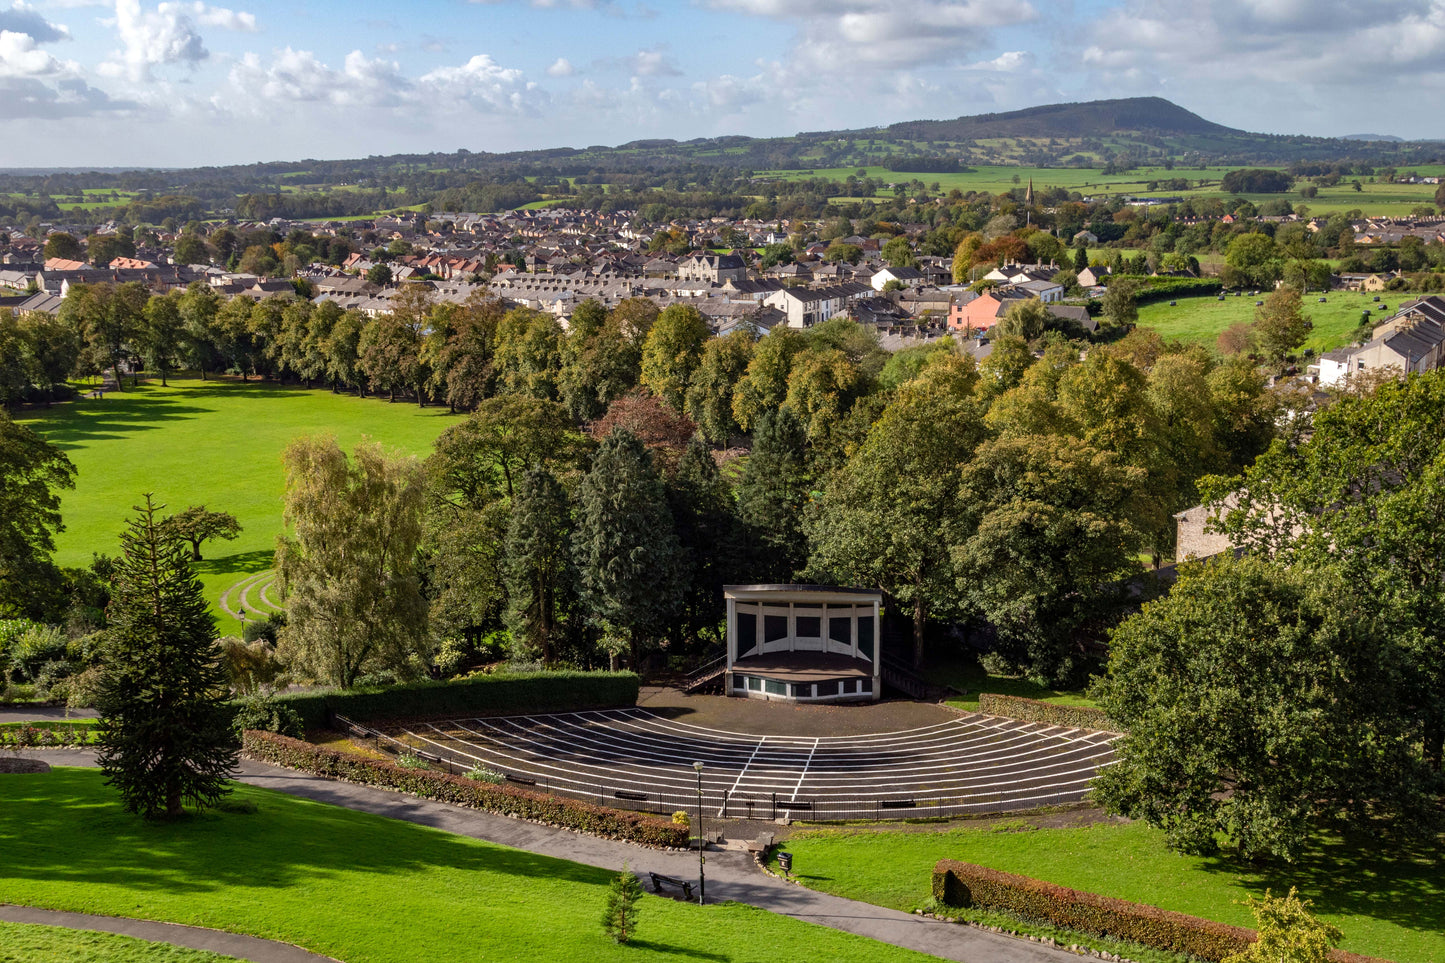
{"points": [[242, 563], [967, 676], [67, 828], [1364, 874], [81, 422], [687, 951]]}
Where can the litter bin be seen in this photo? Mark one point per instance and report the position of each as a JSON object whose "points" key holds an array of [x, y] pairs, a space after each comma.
{"points": [[785, 863]]}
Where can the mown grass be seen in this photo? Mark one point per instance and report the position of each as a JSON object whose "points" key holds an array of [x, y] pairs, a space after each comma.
{"points": [[1203, 319], [30, 943], [218, 443], [357, 887], [1387, 902], [968, 677]]}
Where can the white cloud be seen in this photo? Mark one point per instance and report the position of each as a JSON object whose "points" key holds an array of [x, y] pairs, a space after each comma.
{"points": [[561, 67], [846, 34], [653, 63], [151, 38], [299, 76], [21, 56], [236, 20]]}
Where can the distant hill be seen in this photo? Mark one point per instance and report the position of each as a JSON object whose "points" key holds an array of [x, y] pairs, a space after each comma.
{"points": [[1091, 119], [1385, 137]]}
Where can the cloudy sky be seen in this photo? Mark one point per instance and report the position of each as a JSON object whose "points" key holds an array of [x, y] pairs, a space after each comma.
{"points": [[183, 82]]}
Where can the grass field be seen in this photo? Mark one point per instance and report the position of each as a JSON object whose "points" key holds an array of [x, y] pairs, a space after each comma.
{"points": [[27, 943], [1202, 319], [1372, 199], [969, 677], [357, 887], [213, 442], [1386, 905]]}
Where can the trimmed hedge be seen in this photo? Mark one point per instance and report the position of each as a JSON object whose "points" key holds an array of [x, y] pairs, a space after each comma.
{"points": [[483, 695], [461, 791], [1151, 289], [1032, 710], [965, 884]]}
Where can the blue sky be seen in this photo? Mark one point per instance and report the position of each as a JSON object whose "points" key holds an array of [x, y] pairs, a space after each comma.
{"points": [[185, 82]]}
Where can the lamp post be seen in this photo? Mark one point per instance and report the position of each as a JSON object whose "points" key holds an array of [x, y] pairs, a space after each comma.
{"points": [[701, 875]]}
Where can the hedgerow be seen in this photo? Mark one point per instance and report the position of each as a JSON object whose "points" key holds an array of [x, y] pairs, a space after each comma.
{"points": [[1047, 713], [482, 695], [1149, 288], [461, 791], [962, 884]]}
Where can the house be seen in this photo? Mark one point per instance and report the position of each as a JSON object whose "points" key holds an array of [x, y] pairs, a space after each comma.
{"points": [[1046, 291], [1365, 282], [982, 313], [712, 267], [1086, 237], [805, 307], [1413, 340], [1092, 277], [906, 276]]}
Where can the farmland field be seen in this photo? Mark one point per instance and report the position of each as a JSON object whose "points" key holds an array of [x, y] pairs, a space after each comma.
{"points": [[1202, 319], [216, 443]]}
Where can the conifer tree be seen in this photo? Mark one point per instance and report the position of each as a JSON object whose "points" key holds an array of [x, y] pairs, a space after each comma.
{"points": [[538, 563], [165, 729], [619, 918], [625, 545], [771, 496]]}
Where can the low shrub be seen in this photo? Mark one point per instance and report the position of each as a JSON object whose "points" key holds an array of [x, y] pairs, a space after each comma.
{"points": [[41, 735], [267, 715], [410, 760], [1046, 713], [962, 884], [482, 695], [461, 791], [1149, 288], [480, 773]]}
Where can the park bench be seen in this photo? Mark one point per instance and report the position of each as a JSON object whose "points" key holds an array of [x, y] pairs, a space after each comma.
{"points": [[762, 844], [685, 885]]}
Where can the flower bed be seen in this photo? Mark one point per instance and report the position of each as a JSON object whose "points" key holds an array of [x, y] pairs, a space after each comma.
{"points": [[966, 884], [461, 791]]}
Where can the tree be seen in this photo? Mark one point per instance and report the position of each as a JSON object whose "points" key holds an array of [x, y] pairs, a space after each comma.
{"points": [[1256, 257], [1119, 303], [196, 525], [1048, 525], [1258, 700], [379, 274], [537, 561], [480, 460], [619, 917], [838, 251], [885, 516], [161, 332], [771, 496], [672, 352], [528, 353], [348, 568], [64, 246], [766, 384], [32, 472], [704, 514], [1288, 932], [1026, 319], [625, 545], [1361, 496], [1081, 258], [899, 253], [191, 249], [1280, 325], [165, 727], [710, 395], [600, 362]]}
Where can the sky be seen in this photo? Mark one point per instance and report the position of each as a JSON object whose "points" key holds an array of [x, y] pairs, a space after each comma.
{"points": [[106, 83]]}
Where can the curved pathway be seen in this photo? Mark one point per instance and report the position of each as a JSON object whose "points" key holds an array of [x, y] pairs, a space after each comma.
{"points": [[236, 602], [193, 937], [730, 875]]}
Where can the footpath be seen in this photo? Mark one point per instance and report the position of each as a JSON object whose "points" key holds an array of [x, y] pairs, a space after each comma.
{"points": [[731, 876]]}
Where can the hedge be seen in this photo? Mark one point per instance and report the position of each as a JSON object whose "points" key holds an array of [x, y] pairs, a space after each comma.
{"points": [[1150, 288], [482, 695], [1032, 710], [461, 791], [965, 884]]}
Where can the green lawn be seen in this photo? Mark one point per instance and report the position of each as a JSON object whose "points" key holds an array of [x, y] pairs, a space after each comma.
{"points": [[213, 442], [1387, 905], [967, 676], [358, 887], [1202, 319], [27, 943]]}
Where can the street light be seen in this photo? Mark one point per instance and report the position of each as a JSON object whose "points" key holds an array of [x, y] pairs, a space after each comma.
{"points": [[701, 875]]}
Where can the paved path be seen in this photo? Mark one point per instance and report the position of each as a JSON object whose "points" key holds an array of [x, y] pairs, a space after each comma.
{"points": [[43, 714], [195, 937], [730, 875]]}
